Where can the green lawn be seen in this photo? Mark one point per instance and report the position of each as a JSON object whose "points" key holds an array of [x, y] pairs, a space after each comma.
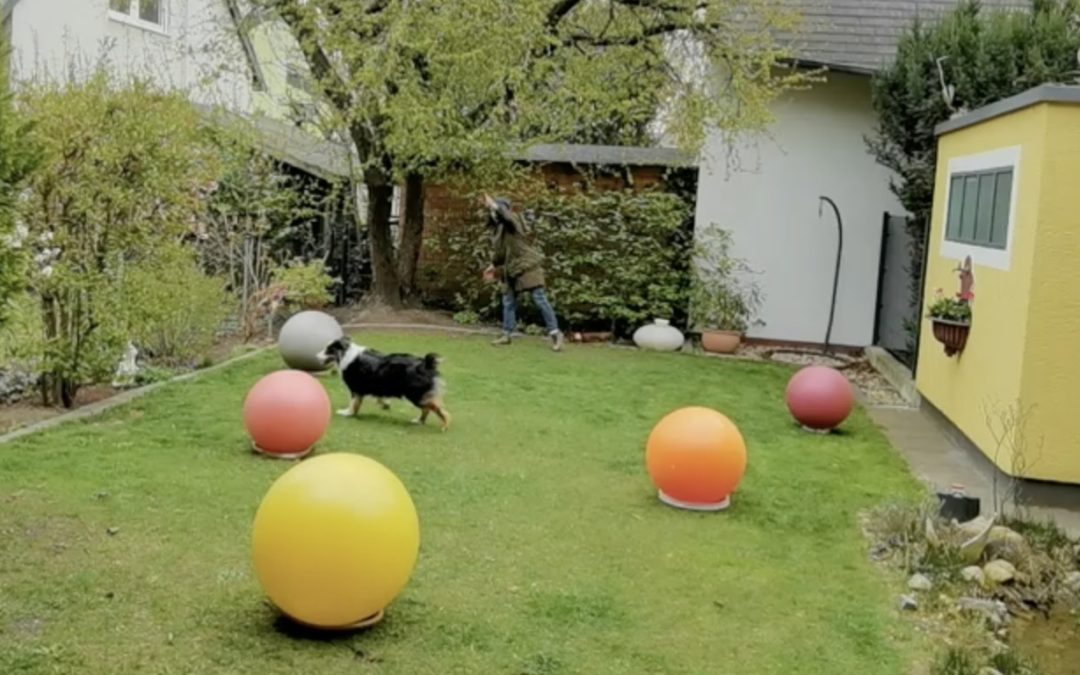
{"points": [[543, 548]]}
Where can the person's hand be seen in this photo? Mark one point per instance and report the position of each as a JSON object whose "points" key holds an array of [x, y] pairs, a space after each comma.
{"points": [[489, 273], [488, 202]]}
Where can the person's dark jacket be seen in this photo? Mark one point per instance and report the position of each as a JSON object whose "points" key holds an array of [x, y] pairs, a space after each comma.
{"points": [[520, 262]]}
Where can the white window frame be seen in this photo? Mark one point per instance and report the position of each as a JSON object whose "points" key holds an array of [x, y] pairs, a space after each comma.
{"points": [[132, 18], [1002, 158]]}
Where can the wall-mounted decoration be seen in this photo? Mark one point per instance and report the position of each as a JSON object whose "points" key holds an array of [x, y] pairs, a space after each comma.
{"points": [[950, 317]]}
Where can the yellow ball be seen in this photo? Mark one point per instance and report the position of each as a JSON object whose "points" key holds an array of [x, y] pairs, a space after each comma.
{"points": [[335, 540]]}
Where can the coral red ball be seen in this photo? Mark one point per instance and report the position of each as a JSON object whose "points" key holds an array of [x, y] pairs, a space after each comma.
{"points": [[819, 397], [286, 412]]}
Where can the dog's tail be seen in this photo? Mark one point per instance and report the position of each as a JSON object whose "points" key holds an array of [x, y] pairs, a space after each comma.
{"points": [[432, 361]]}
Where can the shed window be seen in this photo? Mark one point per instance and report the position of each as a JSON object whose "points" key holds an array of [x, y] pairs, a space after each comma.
{"points": [[979, 206]]}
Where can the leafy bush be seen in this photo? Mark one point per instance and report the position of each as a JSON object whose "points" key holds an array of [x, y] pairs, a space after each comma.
{"points": [[722, 294], [17, 158], [466, 318], [20, 340], [123, 174], [172, 309], [306, 285], [614, 259], [256, 218]]}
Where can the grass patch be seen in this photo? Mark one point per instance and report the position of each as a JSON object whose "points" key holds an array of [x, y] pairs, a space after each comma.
{"points": [[543, 547]]}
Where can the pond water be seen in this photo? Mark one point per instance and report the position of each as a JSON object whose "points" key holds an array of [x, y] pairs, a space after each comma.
{"points": [[1053, 643]]}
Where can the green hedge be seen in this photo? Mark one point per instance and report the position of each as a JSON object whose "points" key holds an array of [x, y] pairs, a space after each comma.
{"points": [[614, 260]]}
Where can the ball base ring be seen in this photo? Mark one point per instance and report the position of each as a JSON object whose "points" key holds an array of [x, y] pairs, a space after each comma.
{"points": [[278, 455], [359, 625], [693, 506]]}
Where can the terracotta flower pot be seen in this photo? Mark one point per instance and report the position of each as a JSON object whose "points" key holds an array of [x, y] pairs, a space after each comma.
{"points": [[952, 334], [720, 341]]}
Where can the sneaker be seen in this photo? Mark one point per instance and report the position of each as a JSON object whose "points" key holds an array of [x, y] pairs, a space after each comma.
{"points": [[501, 342], [557, 341]]}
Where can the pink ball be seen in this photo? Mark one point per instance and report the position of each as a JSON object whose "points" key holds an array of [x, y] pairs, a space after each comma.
{"points": [[286, 413], [819, 398]]}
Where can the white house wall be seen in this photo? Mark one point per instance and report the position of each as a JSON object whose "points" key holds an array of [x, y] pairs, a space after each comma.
{"points": [[197, 52], [771, 201]]}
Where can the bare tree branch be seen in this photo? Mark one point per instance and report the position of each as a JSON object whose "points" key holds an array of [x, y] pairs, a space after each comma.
{"points": [[322, 68]]}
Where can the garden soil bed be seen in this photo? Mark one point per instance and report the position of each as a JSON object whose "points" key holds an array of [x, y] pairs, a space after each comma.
{"points": [[363, 314], [30, 410]]}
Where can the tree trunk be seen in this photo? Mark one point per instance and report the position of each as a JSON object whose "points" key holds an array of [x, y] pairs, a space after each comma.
{"points": [[386, 286], [50, 381], [412, 235], [68, 389]]}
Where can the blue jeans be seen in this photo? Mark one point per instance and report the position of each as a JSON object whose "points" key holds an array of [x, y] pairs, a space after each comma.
{"points": [[539, 298]]}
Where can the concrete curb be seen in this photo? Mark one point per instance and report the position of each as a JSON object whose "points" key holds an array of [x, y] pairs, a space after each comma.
{"points": [[895, 373], [121, 399]]}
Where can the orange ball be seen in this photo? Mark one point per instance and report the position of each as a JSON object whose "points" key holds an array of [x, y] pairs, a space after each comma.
{"points": [[696, 458], [286, 413]]}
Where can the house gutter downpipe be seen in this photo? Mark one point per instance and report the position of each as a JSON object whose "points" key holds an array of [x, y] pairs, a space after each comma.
{"points": [[836, 276]]}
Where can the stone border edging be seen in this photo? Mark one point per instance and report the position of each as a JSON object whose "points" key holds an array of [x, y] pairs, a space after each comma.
{"points": [[120, 399]]}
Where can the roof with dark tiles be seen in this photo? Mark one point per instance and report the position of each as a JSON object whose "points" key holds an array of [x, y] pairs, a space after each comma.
{"points": [[861, 35]]}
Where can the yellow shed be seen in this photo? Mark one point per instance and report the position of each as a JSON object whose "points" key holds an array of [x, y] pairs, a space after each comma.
{"points": [[1007, 207]]}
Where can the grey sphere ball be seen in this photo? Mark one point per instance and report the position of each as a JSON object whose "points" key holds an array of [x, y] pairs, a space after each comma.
{"points": [[304, 335]]}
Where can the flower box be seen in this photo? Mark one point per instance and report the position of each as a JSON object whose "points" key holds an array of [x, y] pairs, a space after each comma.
{"points": [[952, 334]]}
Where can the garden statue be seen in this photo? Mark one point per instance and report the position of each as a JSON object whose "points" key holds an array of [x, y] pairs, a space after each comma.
{"points": [[967, 282], [127, 369]]}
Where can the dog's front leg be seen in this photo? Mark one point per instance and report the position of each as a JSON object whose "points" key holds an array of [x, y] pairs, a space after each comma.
{"points": [[354, 407], [438, 410], [443, 414]]}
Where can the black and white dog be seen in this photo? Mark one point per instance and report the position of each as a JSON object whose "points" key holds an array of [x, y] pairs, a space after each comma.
{"points": [[367, 372]]}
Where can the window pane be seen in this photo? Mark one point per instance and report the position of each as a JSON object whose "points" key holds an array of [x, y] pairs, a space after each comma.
{"points": [[967, 219], [123, 6], [150, 10], [956, 201], [985, 214], [999, 235]]}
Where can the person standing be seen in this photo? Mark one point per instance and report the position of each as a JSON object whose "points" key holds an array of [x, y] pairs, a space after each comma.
{"points": [[519, 264]]}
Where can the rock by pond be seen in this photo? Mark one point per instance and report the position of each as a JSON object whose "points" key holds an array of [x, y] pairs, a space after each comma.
{"points": [[999, 571], [973, 574]]}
